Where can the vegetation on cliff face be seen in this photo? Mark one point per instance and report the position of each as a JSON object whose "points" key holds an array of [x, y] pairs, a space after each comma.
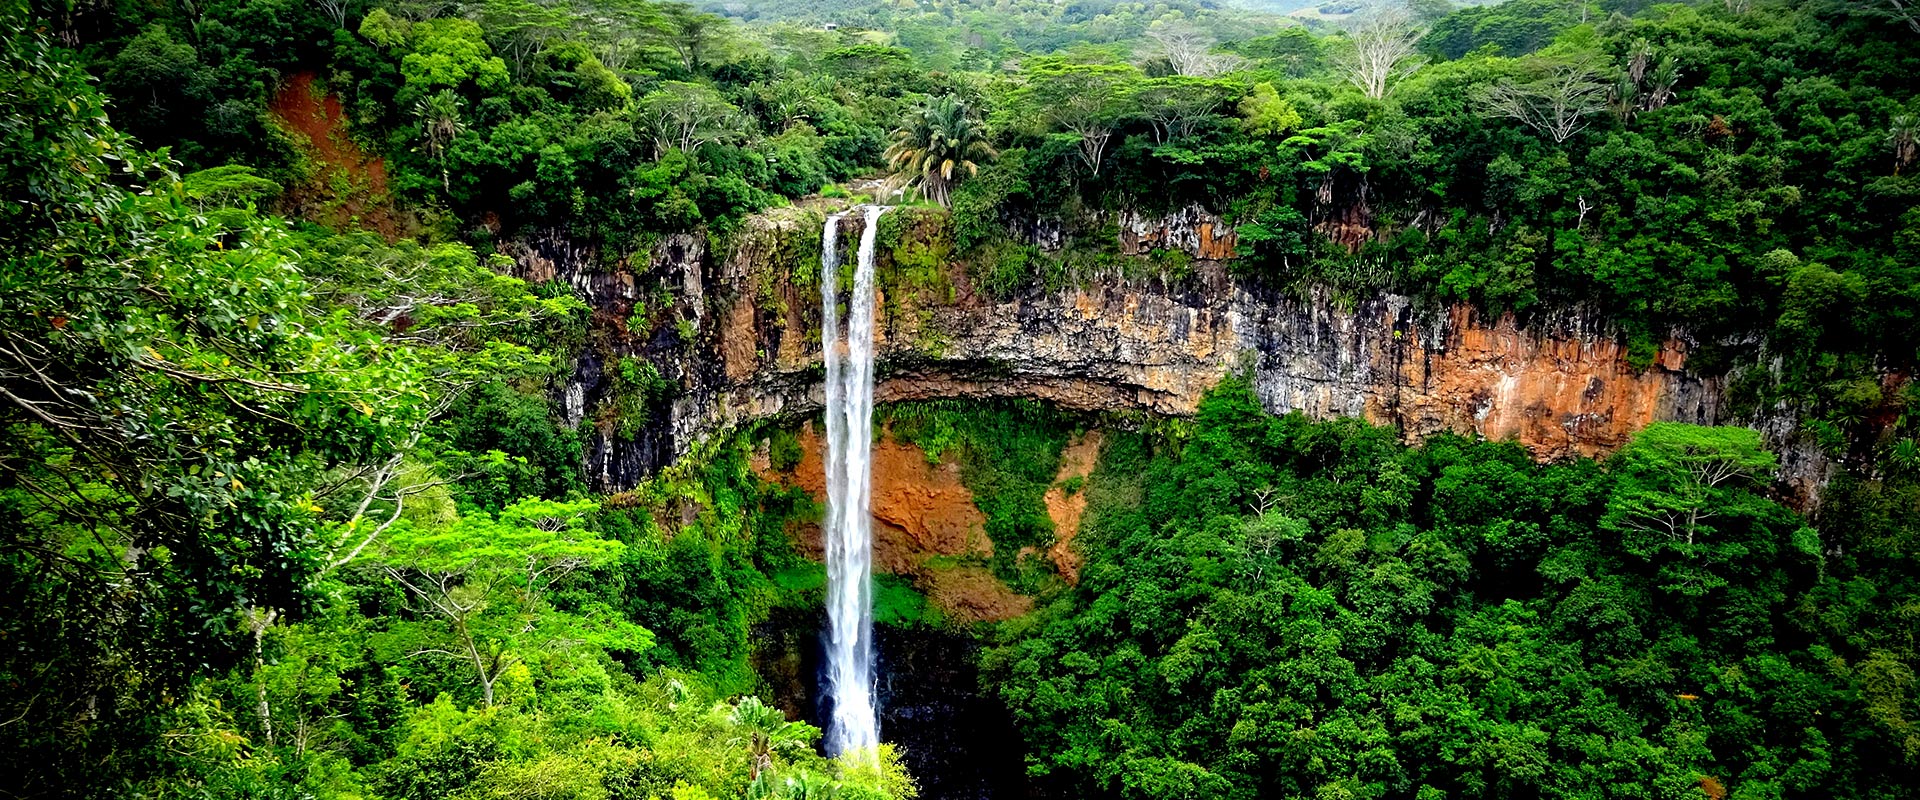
{"points": [[286, 509], [1008, 454]]}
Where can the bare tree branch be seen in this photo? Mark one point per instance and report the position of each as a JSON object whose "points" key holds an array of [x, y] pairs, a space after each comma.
{"points": [[1190, 50], [1380, 49], [1557, 105]]}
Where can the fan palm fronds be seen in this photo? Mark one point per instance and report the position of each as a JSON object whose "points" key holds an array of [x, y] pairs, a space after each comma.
{"points": [[940, 144]]}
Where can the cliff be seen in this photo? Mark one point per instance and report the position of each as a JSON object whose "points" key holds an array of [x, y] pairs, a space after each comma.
{"points": [[734, 328], [926, 527]]}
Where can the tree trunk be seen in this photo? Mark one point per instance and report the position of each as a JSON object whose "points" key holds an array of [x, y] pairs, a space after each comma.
{"points": [[260, 622]]}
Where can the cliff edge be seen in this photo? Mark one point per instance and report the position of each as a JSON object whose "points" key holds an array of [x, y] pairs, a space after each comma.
{"points": [[732, 331]]}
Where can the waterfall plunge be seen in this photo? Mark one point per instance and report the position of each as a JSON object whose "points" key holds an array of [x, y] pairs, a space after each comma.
{"points": [[849, 525]]}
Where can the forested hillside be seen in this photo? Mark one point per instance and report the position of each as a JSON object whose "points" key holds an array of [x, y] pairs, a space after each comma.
{"points": [[1278, 608], [289, 506]]}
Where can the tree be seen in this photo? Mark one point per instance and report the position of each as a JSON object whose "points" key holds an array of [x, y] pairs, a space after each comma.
{"points": [[1331, 153], [789, 101], [1557, 104], [488, 579], [436, 54], [1085, 99], [1906, 12], [523, 28], [385, 30], [423, 10], [617, 29], [150, 77], [1265, 113], [682, 116], [232, 186], [939, 143], [450, 52], [1904, 135], [689, 33], [1645, 85], [1176, 104], [766, 732], [336, 11], [1380, 48], [1190, 50], [439, 117], [1676, 478], [1296, 51], [168, 398]]}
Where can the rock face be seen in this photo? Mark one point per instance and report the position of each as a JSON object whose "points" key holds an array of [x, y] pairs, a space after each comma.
{"points": [[920, 510], [925, 527], [737, 330], [1066, 504]]}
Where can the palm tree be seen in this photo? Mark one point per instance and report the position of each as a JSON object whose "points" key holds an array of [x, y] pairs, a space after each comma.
{"points": [[937, 145], [767, 732], [439, 117], [805, 784]]}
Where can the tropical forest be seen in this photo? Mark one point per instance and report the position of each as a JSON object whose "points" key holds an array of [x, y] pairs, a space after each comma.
{"points": [[959, 399]]}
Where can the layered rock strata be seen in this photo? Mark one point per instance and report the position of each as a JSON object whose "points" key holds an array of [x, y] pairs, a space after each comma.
{"points": [[737, 330]]}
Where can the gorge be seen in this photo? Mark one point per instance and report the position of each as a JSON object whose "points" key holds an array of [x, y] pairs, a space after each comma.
{"points": [[1131, 340], [959, 400]]}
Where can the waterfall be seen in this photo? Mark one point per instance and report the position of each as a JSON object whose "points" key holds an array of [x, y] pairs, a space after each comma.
{"points": [[848, 528]]}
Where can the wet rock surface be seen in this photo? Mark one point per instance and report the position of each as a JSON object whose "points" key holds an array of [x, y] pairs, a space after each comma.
{"points": [[957, 741]]}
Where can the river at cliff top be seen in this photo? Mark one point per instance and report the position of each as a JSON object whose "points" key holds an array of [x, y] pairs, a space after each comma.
{"points": [[958, 741]]}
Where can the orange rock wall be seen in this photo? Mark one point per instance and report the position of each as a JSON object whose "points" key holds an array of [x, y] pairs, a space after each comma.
{"points": [[920, 510], [1558, 396], [925, 527], [1066, 508]]}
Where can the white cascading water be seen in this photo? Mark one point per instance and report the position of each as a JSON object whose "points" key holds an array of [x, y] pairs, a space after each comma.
{"points": [[854, 726]]}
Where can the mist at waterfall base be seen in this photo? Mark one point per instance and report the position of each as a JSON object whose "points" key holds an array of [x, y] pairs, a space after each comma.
{"points": [[848, 528]]}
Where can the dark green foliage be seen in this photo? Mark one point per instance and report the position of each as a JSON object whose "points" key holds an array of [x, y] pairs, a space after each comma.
{"points": [[1272, 607], [169, 403], [978, 203], [538, 456], [895, 600], [212, 426], [1513, 28], [783, 450], [977, 34], [699, 587], [702, 593], [639, 393]]}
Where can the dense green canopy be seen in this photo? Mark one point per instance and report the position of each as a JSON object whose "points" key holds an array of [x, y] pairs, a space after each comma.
{"points": [[1277, 608], [287, 508]]}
